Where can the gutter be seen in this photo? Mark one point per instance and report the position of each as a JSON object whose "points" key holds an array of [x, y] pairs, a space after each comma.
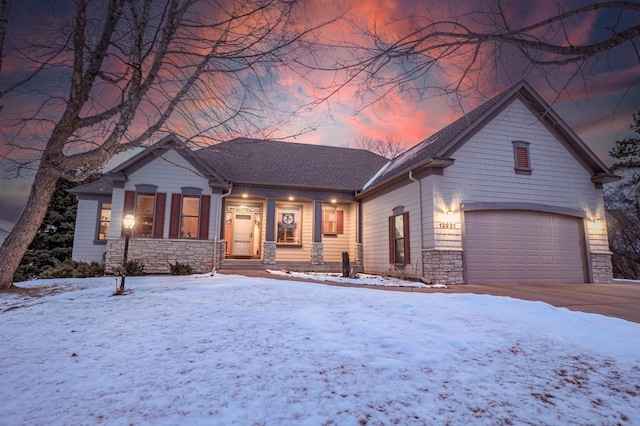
{"points": [[420, 200]]}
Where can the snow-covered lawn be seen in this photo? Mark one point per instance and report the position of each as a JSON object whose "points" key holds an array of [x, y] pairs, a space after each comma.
{"points": [[229, 350]]}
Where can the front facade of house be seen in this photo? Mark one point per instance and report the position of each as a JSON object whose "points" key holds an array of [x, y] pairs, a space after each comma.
{"points": [[506, 194]]}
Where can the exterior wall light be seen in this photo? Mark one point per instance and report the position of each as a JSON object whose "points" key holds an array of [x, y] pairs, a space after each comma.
{"points": [[128, 222]]}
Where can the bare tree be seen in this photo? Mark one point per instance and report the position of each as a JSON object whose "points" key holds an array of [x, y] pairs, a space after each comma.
{"points": [[623, 206], [110, 75], [388, 147], [467, 49], [623, 224]]}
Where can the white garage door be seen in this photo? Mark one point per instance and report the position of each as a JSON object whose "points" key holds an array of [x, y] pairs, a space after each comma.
{"points": [[520, 247]]}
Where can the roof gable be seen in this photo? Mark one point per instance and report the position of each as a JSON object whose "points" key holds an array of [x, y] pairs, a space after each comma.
{"points": [[119, 173], [436, 150]]}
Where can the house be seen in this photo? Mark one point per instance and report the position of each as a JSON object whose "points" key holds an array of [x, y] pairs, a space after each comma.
{"points": [[508, 193]]}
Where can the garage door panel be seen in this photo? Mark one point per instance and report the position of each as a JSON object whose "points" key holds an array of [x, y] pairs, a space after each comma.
{"points": [[522, 247]]}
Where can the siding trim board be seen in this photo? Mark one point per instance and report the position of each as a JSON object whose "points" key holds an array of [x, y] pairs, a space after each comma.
{"points": [[566, 211]]}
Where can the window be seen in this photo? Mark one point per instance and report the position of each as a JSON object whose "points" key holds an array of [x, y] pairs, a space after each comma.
{"points": [[399, 239], [105, 221], [332, 220], [521, 157], [289, 225], [144, 215], [190, 215]]}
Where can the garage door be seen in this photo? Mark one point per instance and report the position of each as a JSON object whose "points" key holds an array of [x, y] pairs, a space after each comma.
{"points": [[521, 247]]}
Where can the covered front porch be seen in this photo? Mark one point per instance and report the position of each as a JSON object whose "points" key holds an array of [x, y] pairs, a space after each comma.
{"points": [[289, 228]]}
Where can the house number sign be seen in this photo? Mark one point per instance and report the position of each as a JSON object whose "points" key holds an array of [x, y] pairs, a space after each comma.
{"points": [[447, 225]]}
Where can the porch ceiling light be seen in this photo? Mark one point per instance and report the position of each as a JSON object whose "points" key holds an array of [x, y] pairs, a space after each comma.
{"points": [[290, 198], [244, 195]]}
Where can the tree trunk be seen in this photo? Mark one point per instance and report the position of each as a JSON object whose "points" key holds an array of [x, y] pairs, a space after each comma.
{"points": [[27, 226]]}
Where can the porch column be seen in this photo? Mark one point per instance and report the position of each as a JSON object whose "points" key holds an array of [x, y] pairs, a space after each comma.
{"points": [[269, 245], [317, 249], [357, 248]]}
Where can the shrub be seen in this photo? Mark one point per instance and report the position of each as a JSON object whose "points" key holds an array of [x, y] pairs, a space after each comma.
{"points": [[72, 269], [180, 268], [135, 268]]}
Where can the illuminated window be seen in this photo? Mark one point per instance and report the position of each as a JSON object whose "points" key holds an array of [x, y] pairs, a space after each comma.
{"points": [[105, 221], [144, 215], [332, 220], [289, 225], [190, 216]]}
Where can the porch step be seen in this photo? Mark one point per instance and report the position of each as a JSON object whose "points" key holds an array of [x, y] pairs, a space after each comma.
{"points": [[257, 265]]}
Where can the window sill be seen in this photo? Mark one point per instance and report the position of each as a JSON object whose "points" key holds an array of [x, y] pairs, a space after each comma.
{"points": [[289, 245], [523, 171]]}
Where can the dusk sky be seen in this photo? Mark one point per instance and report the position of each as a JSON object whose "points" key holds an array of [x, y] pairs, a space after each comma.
{"points": [[598, 104]]}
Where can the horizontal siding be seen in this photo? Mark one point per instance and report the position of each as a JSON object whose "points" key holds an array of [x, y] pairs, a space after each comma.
{"points": [[334, 245], [484, 172], [84, 248], [297, 254], [375, 230], [169, 173]]}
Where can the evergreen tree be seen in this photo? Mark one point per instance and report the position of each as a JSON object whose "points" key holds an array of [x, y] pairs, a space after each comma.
{"points": [[623, 207], [53, 243]]}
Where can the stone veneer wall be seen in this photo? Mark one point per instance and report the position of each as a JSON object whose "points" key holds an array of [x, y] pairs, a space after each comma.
{"points": [[359, 254], [269, 253], [317, 253], [442, 267], [156, 254], [601, 269]]}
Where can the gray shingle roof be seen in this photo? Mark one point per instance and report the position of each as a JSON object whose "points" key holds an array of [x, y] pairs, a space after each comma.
{"points": [[434, 145], [443, 143], [292, 164], [97, 187]]}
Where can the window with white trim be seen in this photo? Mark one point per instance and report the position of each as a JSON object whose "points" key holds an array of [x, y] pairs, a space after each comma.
{"points": [[144, 215], [399, 247], [289, 224], [190, 216], [332, 220], [105, 221]]}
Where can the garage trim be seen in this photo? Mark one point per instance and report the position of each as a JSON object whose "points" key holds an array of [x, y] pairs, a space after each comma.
{"points": [[533, 207], [545, 208]]}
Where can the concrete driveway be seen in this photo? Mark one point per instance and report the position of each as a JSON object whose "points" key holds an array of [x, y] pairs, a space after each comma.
{"points": [[619, 300]]}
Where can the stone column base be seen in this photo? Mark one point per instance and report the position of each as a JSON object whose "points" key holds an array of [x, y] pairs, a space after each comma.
{"points": [[442, 267], [358, 257], [601, 269], [222, 246], [317, 254], [269, 253]]}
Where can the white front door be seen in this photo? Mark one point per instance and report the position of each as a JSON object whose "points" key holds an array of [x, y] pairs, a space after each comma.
{"points": [[242, 234]]}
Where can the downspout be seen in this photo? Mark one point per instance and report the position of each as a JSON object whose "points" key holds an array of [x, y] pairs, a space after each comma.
{"points": [[218, 228], [421, 215]]}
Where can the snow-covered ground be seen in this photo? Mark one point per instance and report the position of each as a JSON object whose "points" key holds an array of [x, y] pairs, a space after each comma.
{"points": [[230, 350]]}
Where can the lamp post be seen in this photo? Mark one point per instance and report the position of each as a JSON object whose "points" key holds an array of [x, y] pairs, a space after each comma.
{"points": [[128, 222]]}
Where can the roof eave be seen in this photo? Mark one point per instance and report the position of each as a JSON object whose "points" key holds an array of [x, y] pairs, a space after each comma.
{"points": [[429, 163]]}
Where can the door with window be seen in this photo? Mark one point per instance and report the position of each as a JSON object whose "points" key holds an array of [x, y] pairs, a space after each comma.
{"points": [[242, 234], [242, 230]]}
